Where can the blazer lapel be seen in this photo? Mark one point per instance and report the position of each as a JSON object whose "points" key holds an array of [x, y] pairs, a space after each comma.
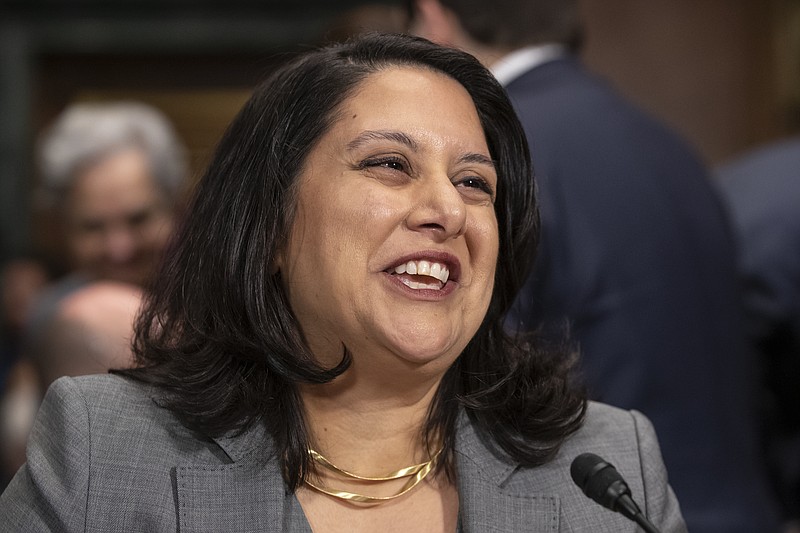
{"points": [[489, 501], [247, 495]]}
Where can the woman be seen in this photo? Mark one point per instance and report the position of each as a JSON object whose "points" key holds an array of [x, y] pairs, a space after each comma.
{"points": [[336, 298]]}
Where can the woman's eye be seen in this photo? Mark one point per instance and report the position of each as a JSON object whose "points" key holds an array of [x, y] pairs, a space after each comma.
{"points": [[390, 163], [395, 165], [478, 184]]}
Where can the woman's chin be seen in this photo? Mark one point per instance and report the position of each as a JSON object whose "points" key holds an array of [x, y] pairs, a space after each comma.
{"points": [[422, 351]]}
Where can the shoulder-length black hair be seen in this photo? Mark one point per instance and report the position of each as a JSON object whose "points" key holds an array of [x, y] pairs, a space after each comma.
{"points": [[217, 334]]}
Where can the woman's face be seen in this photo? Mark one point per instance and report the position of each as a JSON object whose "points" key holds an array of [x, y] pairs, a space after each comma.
{"points": [[393, 249]]}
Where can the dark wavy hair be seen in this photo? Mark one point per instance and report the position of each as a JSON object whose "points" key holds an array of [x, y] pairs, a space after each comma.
{"points": [[217, 334]]}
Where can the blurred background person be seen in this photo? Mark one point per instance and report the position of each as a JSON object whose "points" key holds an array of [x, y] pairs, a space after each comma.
{"points": [[112, 173], [89, 333], [636, 255], [762, 192]]}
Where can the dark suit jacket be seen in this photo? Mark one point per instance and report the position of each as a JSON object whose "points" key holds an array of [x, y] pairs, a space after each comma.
{"points": [[637, 254], [762, 190], [103, 457]]}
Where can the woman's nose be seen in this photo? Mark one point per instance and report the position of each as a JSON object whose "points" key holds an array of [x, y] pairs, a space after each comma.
{"points": [[438, 208]]}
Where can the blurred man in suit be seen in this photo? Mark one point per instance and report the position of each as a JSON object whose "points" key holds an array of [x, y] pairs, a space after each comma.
{"points": [[762, 191], [636, 255]]}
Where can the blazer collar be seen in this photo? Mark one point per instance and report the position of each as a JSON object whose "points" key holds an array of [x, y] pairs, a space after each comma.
{"points": [[242, 445], [249, 494], [490, 498]]}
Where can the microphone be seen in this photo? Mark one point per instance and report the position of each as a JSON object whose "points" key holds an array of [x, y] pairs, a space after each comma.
{"points": [[600, 481]]}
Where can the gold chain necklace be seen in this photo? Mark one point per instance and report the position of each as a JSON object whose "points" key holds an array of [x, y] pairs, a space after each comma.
{"points": [[415, 475]]}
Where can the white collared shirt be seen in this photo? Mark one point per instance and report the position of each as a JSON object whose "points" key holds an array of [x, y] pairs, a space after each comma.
{"points": [[511, 66]]}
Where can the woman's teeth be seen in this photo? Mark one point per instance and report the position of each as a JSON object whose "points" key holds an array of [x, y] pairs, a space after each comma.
{"points": [[423, 268]]}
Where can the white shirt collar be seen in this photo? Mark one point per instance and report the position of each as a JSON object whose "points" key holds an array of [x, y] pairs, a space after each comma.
{"points": [[511, 66]]}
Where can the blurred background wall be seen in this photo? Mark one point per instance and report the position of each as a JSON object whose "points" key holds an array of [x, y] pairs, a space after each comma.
{"points": [[725, 73]]}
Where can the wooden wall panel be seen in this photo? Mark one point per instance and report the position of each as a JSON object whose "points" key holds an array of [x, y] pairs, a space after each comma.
{"points": [[707, 67]]}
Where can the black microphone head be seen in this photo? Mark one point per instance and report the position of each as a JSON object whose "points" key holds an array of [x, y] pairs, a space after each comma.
{"points": [[584, 466], [599, 480]]}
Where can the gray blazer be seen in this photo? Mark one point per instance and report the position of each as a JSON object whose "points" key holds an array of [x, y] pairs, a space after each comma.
{"points": [[103, 457]]}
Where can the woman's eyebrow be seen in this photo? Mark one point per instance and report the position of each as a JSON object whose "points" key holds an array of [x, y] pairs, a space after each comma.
{"points": [[382, 135], [480, 159], [400, 137]]}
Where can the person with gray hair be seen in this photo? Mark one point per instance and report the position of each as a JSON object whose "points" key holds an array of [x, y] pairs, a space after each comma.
{"points": [[113, 173], [86, 132]]}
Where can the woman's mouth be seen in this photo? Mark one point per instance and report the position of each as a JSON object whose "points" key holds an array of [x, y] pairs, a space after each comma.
{"points": [[418, 275]]}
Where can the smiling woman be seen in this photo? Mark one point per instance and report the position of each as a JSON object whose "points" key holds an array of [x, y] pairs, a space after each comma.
{"points": [[410, 196], [324, 347]]}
